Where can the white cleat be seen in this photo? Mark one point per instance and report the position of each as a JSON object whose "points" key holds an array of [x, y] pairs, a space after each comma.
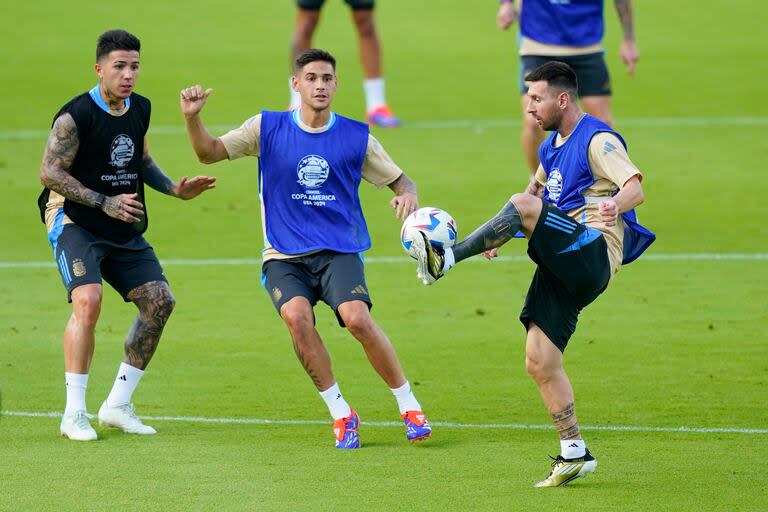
{"points": [[123, 417], [75, 426]]}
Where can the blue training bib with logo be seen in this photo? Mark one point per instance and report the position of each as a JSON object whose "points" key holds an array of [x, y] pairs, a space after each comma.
{"points": [[569, 175], [563, 22], [308, 184]]}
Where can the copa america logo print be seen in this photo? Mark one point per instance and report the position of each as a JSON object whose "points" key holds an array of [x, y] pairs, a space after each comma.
{"points": [[121, 151], [313, 171], [555, 184]]}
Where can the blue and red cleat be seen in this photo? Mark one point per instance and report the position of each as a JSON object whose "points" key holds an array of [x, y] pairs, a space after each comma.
{"points": [[382, 117], [345, 429], [417, 427]]}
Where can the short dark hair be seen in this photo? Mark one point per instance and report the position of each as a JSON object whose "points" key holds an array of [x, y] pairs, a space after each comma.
{"points": [[313, 55], [112, 40], [558, 75]]}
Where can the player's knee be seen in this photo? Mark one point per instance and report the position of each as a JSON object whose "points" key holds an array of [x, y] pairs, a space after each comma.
{"points": [[297, 318], [526, 204], [359, 323], [536, 368], [87, 306]]}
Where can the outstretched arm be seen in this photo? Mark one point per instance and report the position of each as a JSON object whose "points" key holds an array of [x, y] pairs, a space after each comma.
{"points": [[629, 52], [185, 189], [208, 149], [406, 199], [60, 152]]}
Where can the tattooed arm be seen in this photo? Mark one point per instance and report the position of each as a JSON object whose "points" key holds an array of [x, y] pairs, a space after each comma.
{"points": [[629, 53], [60, 152], [494, 233]]}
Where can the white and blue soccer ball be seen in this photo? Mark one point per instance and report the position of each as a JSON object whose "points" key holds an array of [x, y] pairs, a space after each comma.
{"points": [[437, 224]]}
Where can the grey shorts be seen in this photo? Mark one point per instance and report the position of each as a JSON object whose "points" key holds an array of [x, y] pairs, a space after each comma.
{"points": [[333, 277]]}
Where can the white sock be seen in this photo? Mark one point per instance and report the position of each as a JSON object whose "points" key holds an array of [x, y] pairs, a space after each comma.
{"points": [[295, 101], [448, 259], [406, 400], [374, 93], [76, 385], [572, 448], [127, 379], [337, 406]]}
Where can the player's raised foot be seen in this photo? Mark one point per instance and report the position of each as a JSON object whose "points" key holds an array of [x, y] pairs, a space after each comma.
{"points": [[417, 428], [382, 117], [430, 259], [346, 431], [75, 426], [123, 417], [567, 470]]}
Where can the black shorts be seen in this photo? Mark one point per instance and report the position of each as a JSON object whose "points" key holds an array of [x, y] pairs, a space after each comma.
{"points": [[333, 277], [85, 258], [573, 269], [591, 72], [358, 5]]}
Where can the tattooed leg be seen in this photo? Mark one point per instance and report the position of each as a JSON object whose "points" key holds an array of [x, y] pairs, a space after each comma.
{"points": [[309, 348], [566, 424], [155, 304]]}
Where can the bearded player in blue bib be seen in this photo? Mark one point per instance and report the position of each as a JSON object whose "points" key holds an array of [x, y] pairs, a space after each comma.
{"points": [[578, 216], [311, 163]]}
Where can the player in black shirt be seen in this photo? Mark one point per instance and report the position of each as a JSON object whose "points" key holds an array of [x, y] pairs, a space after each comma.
{"points": [[94, 169]]}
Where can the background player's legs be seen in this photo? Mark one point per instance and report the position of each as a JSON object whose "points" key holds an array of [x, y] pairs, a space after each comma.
{"points": [[599, 107], [368, 41], [531, 137], [304, 30], [544, 363], [370, 59]]}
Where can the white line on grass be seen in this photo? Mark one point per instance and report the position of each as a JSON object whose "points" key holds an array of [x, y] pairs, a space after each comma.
{"points": [[723, 256], [460, 123], [511, 426]]}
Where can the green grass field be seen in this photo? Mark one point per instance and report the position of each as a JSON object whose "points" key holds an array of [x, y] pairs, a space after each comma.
{"points": [[679, 340]]}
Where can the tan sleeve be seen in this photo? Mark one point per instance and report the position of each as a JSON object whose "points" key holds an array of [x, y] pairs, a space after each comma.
{"points": [[378, 166], [541, 176], [609, 160], [243, 141]]}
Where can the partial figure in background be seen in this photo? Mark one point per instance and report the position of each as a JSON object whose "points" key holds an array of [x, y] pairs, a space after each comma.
{"points": [[307, 18], [570, 32]]}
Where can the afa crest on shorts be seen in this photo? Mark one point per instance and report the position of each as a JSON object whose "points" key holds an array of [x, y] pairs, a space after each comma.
{"points": [[313, 171], [121, 151]]}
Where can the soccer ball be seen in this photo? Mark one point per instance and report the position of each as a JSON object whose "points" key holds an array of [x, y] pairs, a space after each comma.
{"points": [[437, 224]]}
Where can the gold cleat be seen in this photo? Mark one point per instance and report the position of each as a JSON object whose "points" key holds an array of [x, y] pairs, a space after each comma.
{"points": [[566, 470], [430, 259]]}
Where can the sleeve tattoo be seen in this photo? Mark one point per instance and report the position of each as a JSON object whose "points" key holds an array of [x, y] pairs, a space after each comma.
{"points": [[155, 177], [60, 152], [494, 233]]}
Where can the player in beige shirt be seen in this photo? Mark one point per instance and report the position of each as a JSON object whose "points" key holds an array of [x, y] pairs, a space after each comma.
{"points": [[576, 231], [311, 162]]}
